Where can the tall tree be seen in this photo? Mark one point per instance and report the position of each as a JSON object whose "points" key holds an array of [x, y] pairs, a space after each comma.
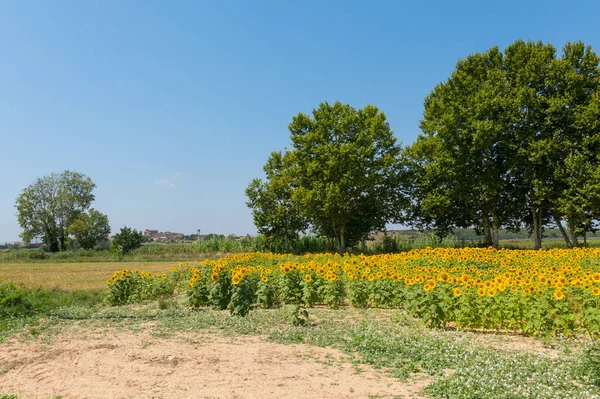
{"points": [[461, 164], [49, 206], [511, 139], [528, 66], [346, 173], [573, 117]]}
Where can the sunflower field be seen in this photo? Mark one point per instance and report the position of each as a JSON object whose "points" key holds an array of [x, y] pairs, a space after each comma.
{"points": [[531, 292]]}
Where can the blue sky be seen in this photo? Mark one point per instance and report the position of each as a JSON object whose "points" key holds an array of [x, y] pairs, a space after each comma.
{"points": [[173, 107]]}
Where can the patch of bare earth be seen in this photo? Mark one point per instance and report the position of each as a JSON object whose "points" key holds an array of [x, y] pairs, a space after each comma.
{"points": [[124, 365]]}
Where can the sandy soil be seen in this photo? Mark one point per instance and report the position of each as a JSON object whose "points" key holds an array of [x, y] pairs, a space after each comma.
{"points": [[124, 365]]}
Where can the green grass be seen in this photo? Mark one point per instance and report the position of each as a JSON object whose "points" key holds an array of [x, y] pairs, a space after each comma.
{"points": [[22, 308]]}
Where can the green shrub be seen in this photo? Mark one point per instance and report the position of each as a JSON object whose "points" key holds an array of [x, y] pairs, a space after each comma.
{"points": [[127, 240]]}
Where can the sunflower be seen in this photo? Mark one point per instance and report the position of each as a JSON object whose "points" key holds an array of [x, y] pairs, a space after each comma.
{"points": [[308, 278], [457, 291], [264, 279], [596, 291], [214, 276], [235, 280], [558, 294]]}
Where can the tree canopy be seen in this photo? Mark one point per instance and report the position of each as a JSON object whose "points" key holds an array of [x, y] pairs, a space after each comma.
{"points": [[511, 140], [49, 206], [277, 218], [127, 239], [90, 229], [341, 177]]}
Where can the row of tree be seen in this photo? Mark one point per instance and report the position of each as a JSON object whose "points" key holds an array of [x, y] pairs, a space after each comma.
{"points": [[511, 140]]}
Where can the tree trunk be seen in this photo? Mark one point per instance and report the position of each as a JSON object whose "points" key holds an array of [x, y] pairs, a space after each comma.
{"points": [[563, 232], [585, 239], [537, 227], [341, 242], [487, 232], [54, 246], [573, 234], [495, 233]]}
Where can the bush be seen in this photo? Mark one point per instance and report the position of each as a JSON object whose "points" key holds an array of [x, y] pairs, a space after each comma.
{"points": [[127, 240]]}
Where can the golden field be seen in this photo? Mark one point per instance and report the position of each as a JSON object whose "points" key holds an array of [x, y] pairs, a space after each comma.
{"points": [[70, 276]]}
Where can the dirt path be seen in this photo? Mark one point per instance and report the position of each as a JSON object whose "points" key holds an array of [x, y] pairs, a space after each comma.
{"points": [[124, 365]]}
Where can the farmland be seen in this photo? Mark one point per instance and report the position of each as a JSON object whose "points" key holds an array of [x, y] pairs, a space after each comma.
{"points": [[438, 322]]}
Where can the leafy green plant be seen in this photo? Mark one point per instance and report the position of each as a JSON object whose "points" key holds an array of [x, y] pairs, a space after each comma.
{"points": [[127, 240], [242, 297], [298, 315], [129, 287]]}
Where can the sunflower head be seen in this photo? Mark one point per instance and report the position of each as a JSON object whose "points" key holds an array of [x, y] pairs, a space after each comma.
{"points": [[558, 294]]}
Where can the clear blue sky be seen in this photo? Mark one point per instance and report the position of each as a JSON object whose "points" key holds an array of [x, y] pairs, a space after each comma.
{"points": [[172, 107]]}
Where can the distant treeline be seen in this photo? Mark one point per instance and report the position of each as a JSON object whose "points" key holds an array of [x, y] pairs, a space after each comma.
{"points": [[383, 242]]}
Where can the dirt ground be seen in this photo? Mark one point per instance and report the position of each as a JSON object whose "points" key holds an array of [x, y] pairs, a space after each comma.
{"points": [[114, 364]]}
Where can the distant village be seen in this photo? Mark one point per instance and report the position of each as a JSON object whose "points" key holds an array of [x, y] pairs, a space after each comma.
{"points": [[169, 236], [157, 236], [149, 236]]}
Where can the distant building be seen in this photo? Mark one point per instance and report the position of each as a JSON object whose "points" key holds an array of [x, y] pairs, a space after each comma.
{"points": [[157, 236]]}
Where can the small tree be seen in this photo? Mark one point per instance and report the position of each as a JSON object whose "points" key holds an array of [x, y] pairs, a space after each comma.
{"points": [[128, 240], [90, 229]]}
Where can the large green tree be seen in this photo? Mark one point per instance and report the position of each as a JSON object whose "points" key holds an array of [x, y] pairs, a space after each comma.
{"points": [[510, 140], [555, 134], [573, 118], [342, 173], [460, 164], [90, 229], [49, 206]]}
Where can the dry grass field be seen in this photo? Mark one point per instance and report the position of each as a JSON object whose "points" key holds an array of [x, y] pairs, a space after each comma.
{"points": [[72, 276]]}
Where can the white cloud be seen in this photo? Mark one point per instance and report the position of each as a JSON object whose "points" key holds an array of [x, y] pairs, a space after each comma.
{"points": [[170, 181]]}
